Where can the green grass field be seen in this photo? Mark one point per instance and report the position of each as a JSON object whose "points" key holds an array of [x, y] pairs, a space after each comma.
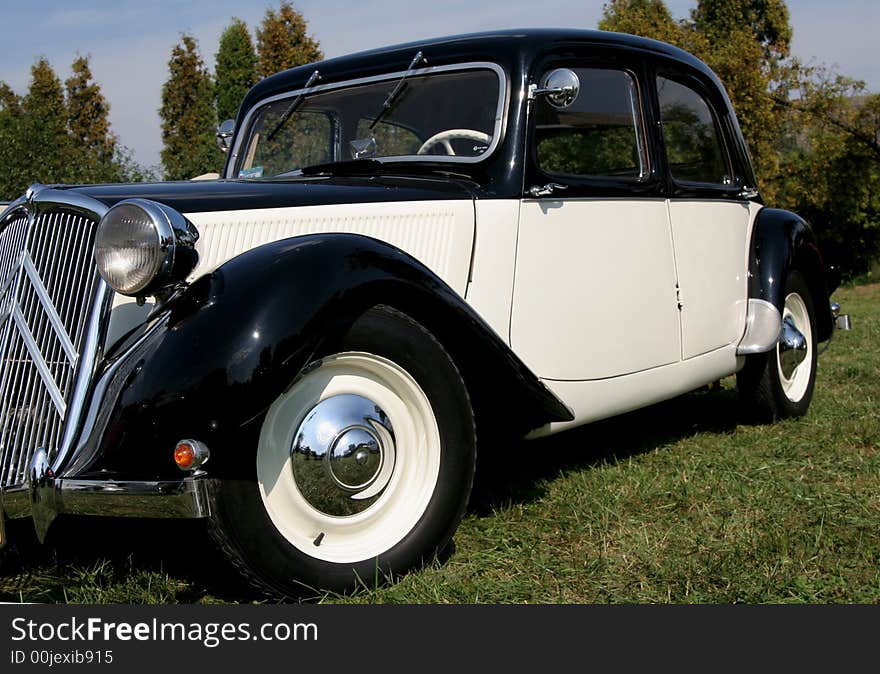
{"points": [[676, 503]]}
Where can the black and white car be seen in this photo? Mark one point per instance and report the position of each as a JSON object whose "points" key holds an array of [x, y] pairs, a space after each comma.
{"points": [[412, 248]]}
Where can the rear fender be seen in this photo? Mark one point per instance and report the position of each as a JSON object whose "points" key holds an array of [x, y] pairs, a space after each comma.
{"points": [[781, 242]]}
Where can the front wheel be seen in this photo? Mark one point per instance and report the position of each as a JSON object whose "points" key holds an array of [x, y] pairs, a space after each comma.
{"points": [[779, 384], [364, 465]]}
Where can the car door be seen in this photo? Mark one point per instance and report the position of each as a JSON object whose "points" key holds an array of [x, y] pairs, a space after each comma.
{"points": [[594, 291], [709, 218]]}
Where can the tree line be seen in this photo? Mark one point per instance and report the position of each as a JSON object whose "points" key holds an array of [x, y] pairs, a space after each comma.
{"points": [[60, 132], [814, 135], [193, 101]]}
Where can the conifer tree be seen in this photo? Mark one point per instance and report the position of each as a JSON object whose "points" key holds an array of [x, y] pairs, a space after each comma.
{"points": [[44, 127], [88, 111], [93, 144], [188, 117], [282, 41], [11, 177], [235, 70]]}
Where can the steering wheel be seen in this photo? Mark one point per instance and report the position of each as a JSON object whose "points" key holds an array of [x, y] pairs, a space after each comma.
{"points": [[444, 137]]}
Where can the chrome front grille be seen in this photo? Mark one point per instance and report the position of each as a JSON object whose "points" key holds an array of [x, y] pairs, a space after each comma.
{"points": [[48, 283]]}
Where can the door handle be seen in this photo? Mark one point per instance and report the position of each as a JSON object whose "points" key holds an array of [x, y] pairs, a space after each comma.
{"points": [[545, 190]]}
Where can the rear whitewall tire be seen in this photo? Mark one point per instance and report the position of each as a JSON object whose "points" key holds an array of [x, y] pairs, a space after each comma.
{"points": [[799, 383], [765, 391]]}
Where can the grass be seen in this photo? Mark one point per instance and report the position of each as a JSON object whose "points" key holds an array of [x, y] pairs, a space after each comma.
{"points": [[676, 503]]}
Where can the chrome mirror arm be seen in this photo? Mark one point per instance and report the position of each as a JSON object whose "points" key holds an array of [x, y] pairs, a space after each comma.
{"points": [[535, 91]]}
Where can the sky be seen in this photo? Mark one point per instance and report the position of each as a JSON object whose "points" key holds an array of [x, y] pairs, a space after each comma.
{"points": [[130, 41]]}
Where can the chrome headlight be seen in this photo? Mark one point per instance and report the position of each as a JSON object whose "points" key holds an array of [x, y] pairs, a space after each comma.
{"points": [[142, 247]]}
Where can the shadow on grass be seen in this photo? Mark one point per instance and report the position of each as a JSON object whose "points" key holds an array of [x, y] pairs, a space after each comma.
{"points": [[519, 472], [114, 560]]}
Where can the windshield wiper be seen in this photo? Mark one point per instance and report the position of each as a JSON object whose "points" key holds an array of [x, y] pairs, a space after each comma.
{"points": [[344, 167], [294, 106], [418, 59]]}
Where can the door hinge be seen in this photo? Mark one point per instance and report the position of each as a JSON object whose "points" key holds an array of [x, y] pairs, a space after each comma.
{"points": [[678, 297]]}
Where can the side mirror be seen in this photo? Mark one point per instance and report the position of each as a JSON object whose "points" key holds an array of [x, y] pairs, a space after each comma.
{"points": [[560, 86], [224, 135]]}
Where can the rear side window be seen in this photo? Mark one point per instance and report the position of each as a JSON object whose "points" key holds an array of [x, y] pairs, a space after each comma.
{"points": [[599, 135], [693, 143]]}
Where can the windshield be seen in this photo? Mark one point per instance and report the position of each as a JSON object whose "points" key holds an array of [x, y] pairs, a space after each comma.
{"points": [[445, 116]]}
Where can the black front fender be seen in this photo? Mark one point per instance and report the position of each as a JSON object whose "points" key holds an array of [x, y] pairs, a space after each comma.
{"points": [[223, 350]]}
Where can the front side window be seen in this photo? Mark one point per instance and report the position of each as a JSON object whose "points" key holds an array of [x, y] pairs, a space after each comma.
{"points": [[693, 143], [599, 134], [442, 116]]}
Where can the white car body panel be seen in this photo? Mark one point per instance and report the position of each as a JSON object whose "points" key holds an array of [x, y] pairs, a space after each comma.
{"points": [[594, 295], [603, 398], [711, 248], [490, 291], [439, 234]]}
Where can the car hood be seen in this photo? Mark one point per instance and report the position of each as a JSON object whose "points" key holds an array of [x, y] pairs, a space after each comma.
{"points": [[229, 195]]}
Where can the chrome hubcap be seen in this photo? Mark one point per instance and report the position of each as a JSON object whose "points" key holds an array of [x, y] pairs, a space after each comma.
{"points": [[343, 455], [355, 458], [792, 348]]}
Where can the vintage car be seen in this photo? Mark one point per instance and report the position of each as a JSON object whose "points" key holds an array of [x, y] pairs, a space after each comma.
{"points": [[485, 236]]}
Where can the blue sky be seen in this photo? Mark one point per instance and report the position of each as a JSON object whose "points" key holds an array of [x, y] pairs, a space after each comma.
{"points": [[130, 40]]}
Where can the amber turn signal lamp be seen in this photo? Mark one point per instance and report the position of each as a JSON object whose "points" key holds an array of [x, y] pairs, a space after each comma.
{"points": [[190, 454]]}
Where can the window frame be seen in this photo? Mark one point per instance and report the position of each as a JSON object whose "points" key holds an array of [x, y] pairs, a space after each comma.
{"points": [[499, 129], [633, 64], [686, 188]]}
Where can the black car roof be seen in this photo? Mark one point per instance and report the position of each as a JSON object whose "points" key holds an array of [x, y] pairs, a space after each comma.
{"points": [[503, 45]]}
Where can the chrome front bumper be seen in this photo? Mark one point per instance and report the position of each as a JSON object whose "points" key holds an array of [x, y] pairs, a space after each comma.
{"points": [[46, 497]]}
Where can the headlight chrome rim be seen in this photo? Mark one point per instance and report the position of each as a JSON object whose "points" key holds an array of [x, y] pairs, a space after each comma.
{"points": [[171, 234]]}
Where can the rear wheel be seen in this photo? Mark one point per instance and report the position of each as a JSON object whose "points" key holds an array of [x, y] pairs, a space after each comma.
{"points": [[779, 384], [364, 465]]}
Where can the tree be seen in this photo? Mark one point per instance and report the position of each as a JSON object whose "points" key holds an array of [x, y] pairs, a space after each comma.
{"points": [[235, 69], [745, 43], [43, 156], [12, 176], [830, 165], [93, 145], [648, 18], [187, 112], [766, 21], [47, 137], [282, 41]]}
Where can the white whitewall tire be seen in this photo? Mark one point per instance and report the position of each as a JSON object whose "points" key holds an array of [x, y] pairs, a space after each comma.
{"points": [[407, 476], [364, 465]]}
